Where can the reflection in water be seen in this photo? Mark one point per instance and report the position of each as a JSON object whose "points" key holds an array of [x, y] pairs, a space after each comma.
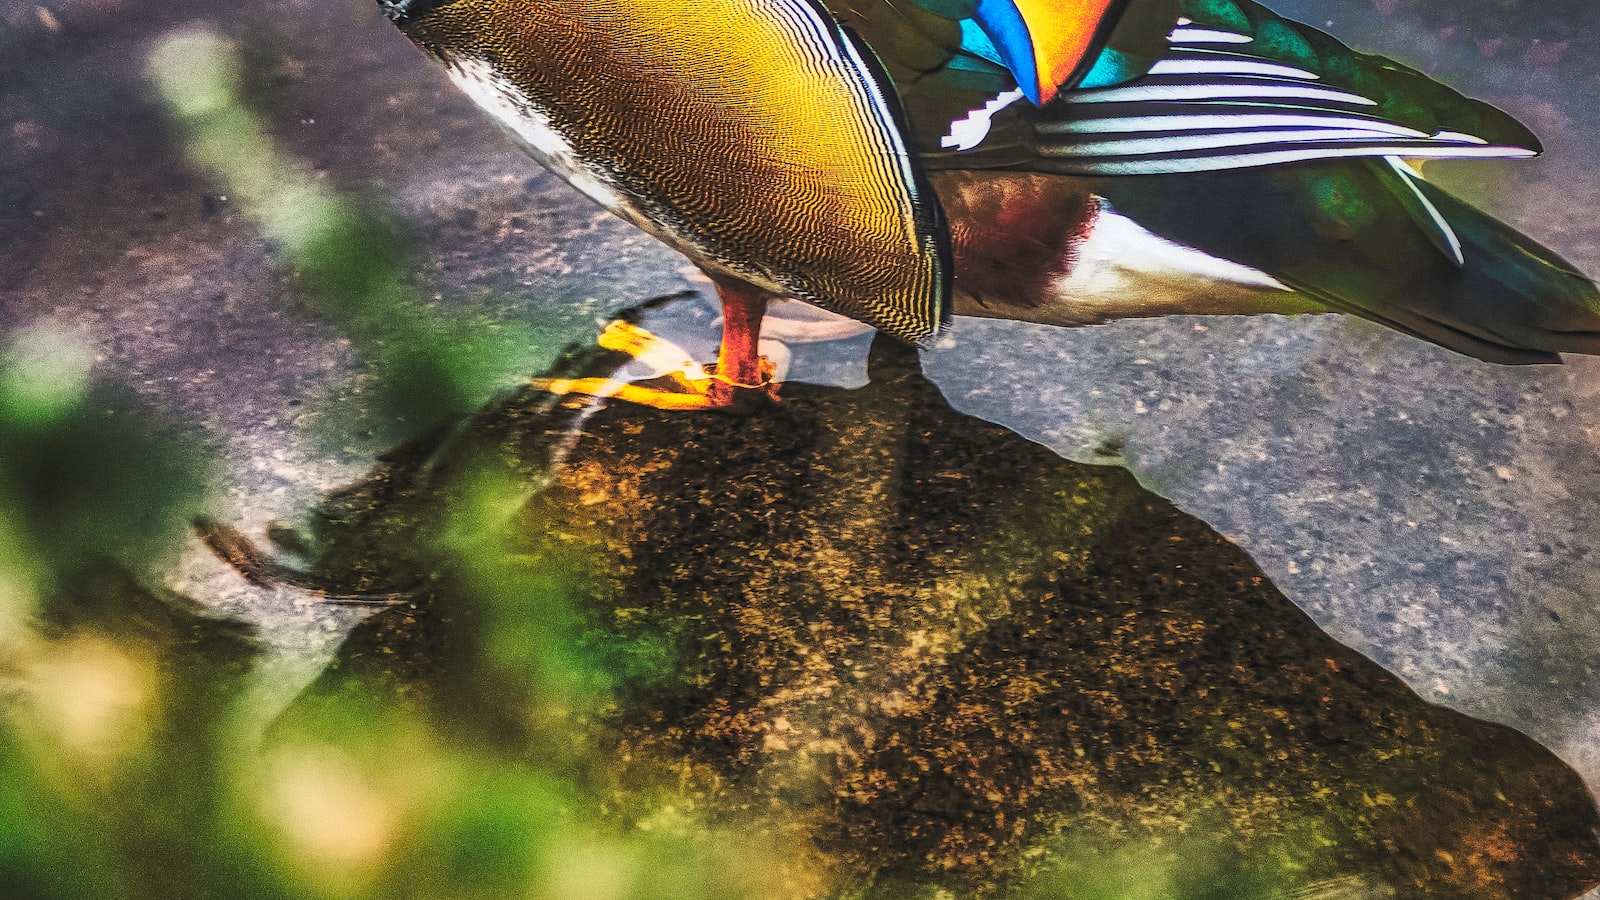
{"points": [[887, 647]]}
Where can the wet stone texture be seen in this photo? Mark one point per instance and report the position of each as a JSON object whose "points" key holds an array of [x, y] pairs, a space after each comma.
{"points": [[942, 656]]}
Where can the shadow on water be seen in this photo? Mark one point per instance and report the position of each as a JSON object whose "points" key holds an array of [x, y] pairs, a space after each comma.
{"points": [[916, 652]]}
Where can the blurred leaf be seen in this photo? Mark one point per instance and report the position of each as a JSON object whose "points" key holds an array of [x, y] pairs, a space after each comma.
{"points": [[348, 261]]}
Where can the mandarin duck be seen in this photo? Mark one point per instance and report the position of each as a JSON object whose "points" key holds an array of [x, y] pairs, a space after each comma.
{"points": [[1066, 162]]}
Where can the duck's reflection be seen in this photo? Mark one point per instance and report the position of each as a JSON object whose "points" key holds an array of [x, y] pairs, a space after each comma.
{"points": [[927, 653]]}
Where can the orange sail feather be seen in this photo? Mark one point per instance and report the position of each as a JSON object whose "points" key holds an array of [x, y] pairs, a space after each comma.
{"points": [[1045, 43]]}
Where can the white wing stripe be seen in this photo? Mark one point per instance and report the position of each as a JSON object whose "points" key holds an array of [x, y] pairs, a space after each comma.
{"points": [[1163, 165], [1217, 91], [1231, 120], [1458, 136], [1212, 141], [1409, 177], [1217, 99], [1229, 66], [1207, 36]]}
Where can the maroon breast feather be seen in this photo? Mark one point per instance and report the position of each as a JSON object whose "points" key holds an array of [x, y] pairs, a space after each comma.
{"points": [[1014, 234]]}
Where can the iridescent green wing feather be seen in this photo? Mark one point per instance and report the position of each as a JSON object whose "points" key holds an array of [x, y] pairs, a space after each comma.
{"points": [[1174, 86], [1240, 86]]}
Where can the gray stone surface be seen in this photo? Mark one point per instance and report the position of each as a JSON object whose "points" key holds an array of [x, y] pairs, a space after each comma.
{"points": [[1435, 513]]}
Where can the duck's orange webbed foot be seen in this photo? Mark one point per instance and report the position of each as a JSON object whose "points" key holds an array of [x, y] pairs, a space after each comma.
{"points": [[680, 383]]}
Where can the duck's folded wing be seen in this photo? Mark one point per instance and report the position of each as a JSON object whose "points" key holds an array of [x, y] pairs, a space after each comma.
{"points": [[950, 57], [1239, 86], [1341, 235]]}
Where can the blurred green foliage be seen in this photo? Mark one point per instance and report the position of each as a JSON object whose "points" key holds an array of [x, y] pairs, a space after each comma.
{"points": [[129, 762], [347, 259], [130, 765]]}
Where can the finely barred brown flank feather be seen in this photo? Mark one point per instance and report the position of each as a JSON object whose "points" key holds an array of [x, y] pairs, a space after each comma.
{"points": [[755, 135]]}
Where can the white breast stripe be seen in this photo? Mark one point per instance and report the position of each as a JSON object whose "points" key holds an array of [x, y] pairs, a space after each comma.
{"points": [[479, 80]]}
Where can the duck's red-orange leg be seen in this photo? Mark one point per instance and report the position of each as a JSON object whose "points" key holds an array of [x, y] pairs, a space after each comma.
{"points": [[741, 381], [741, 374]]}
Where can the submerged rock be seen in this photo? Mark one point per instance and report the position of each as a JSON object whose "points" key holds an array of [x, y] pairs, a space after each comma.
{"points": [[917, 651]]}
